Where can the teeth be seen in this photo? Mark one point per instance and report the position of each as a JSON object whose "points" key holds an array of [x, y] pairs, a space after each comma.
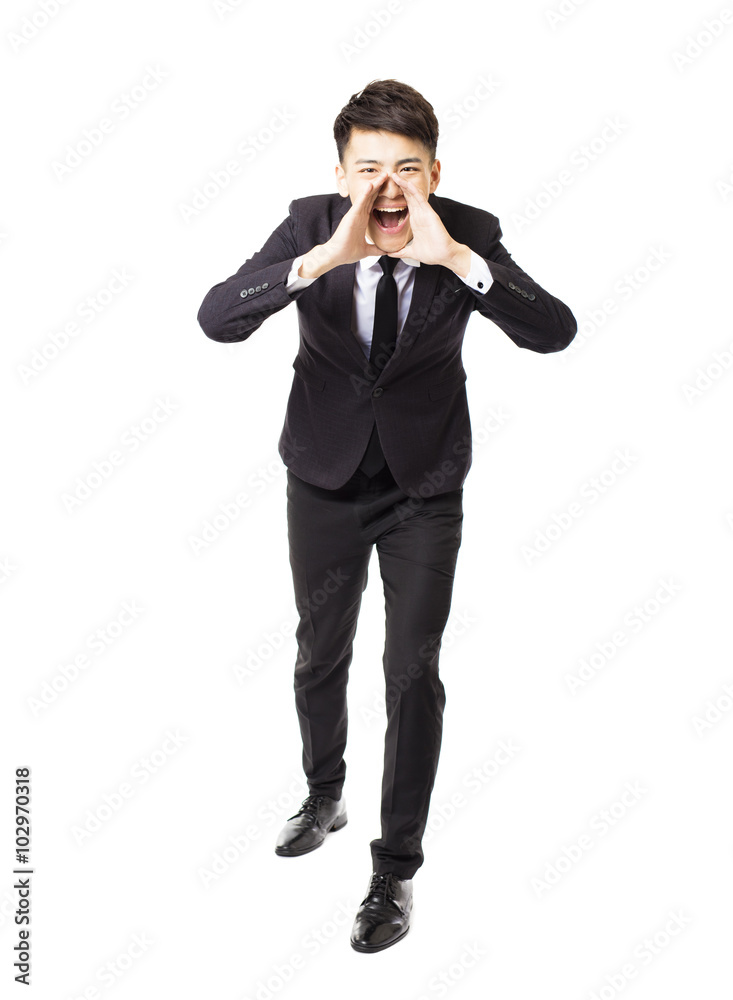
{"points": [[390, 209]]}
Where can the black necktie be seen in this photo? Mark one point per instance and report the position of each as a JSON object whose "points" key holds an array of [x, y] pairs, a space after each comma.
{"points": [[384, 339]]}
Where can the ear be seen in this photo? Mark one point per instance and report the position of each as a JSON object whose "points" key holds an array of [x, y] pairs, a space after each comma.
{"points": [[435, 176], [341, 181]]}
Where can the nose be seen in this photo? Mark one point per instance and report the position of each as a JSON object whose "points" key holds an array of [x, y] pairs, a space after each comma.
{"points": [[390, 189]]}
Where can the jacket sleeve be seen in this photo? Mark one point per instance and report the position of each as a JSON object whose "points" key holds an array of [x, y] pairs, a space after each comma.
{"points": [[233, 309], [526, 313]]}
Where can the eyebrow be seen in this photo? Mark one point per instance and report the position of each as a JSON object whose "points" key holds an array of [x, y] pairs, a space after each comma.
{"points": [[407, 159]]}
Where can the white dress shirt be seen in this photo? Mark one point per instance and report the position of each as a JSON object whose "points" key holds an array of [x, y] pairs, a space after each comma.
{"points": [[367, 275]]}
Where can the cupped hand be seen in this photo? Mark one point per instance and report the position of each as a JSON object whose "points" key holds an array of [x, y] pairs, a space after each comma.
{"points": [[431, 242]]}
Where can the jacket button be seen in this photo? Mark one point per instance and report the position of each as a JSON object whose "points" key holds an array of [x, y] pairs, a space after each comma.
{"points": [[265, 284], [378, 391], [531, 296], [243, 293]]}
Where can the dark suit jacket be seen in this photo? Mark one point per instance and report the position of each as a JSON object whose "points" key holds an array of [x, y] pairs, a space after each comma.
{"points": [[419, 399]]}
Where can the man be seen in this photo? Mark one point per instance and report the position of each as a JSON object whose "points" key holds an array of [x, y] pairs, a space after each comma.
{"points": [[377, 442]]}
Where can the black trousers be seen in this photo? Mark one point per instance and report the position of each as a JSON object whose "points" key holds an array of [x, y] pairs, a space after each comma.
{"points": [[331, 534]]}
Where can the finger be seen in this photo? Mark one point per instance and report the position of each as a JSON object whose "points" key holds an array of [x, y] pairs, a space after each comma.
{"points": [[369, 193], [376, 187], [400, 180], [412, 193], [408, 192], [403, 182], [364, 198], [365, 202]]}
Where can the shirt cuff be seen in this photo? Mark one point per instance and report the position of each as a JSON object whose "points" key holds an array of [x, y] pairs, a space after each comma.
{"points": [[479, 277], [295, 281]]}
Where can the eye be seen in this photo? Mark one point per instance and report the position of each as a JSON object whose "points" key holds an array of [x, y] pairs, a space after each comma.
{"points": [[365, 170]]}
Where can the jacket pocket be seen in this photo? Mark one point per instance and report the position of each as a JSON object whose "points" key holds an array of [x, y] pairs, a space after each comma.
{"points": [[307, 375], [448, 385]]}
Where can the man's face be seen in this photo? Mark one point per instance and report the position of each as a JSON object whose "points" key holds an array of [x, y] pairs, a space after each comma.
{"points": [[369, 153]]}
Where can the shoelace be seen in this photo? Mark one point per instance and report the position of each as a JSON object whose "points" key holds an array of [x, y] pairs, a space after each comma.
{"points": [[382, 885], [309, 806]]}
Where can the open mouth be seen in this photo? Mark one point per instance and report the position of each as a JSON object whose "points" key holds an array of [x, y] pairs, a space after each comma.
{"points": [[390, 220]]}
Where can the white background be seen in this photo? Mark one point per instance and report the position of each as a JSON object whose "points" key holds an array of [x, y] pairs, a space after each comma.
{"points": [[637, 243]]}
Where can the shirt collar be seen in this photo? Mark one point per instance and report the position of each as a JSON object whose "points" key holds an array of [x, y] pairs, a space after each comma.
{"points": [[370, 261]]}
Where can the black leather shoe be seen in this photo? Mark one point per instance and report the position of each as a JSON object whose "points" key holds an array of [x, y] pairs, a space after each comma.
{"points": [[308, 828], [384, 915]]}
